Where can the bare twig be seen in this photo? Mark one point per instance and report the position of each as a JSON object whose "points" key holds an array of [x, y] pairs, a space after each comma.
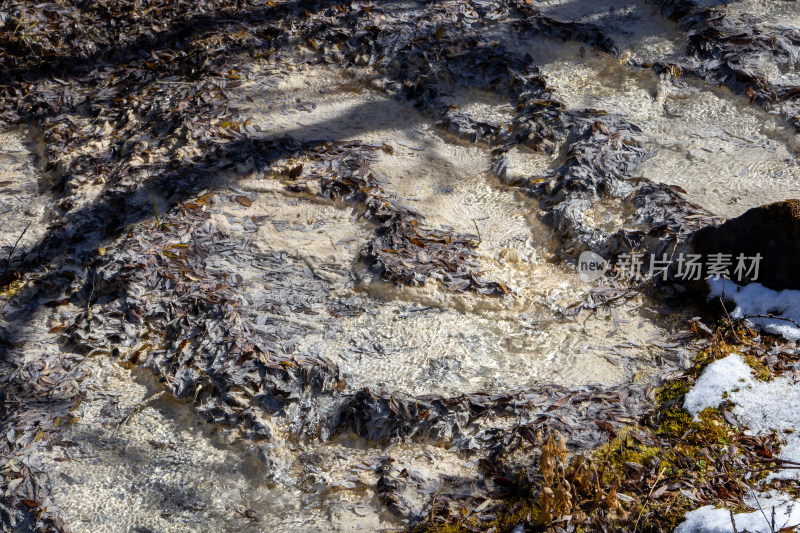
{"points": [[755, 497], [730, 320], [652, 487], [773, 519], [772, 317], [733, 522], [139, 406], [11, 253], [480, 239], [774, 468], [155, 208], [89, 302], [778, 460]]}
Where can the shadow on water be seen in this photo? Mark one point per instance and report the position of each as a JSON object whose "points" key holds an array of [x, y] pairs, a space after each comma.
{"points": [[77, 235]]}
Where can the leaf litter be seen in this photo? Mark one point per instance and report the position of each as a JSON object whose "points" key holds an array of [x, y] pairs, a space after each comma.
{"points": [[131, 105]]}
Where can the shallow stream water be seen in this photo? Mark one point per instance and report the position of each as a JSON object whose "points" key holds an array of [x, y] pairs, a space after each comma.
{"points": [[138, 461]]}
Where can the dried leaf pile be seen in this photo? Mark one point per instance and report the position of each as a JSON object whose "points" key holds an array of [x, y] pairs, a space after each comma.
{"points": [[403, 251]]}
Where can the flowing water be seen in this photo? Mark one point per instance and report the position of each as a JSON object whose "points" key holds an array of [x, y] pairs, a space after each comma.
{"points": [[729, 156], [423, 340], [138, 461]]}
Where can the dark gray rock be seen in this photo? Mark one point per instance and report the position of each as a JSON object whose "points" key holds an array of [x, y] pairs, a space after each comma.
{"points": [[773, 231]]}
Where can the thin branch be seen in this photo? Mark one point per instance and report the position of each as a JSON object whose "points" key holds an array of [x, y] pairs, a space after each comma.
{"points": [[755, 496], [11, 253], [474, 221], [733, 522], [774, 318], [652, 487], [730, 320]]}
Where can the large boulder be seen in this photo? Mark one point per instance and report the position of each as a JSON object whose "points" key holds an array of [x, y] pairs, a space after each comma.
{"points": [[772, 231]]}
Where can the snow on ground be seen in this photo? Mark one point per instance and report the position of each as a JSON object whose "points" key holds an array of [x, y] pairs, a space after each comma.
{"points": [[762, 407], [710, 520], [754, 299]]}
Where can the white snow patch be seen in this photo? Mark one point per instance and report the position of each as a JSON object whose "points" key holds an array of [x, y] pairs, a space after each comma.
{"points": [[762, 407], [755, 299], [710, 520], [718, 378]]}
